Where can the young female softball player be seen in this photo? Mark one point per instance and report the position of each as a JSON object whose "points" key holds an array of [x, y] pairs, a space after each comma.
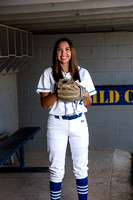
{"points": [[66, 121]]}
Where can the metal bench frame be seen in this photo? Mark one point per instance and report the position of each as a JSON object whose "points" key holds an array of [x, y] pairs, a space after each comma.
{"points": [[15, 144]]}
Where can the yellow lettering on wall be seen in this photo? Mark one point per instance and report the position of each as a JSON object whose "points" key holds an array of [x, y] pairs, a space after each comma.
{"points": [[113, 97], [111, 94], [101, 96], [117, 96], [94, 98], [127, 96]]}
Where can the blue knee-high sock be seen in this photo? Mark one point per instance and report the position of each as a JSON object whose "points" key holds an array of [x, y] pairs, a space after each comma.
{"points": [[82, 188], [55, 190]]}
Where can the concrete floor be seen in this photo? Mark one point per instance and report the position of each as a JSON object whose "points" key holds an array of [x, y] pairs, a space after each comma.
{"points": [[109, 177]]}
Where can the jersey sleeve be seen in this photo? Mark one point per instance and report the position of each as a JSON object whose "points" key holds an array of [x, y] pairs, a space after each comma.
{"points": [[44, 83], [89, 84]]}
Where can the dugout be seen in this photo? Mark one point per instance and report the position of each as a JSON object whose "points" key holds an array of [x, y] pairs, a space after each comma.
{"points": [[103, 36]]}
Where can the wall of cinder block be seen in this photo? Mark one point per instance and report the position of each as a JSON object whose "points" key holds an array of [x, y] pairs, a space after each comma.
{"points": [[15, 51], [8, 104], [109, 59]]}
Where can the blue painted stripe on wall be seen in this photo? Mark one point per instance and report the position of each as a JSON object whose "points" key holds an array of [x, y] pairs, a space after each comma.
{"points": [[113, 95]]}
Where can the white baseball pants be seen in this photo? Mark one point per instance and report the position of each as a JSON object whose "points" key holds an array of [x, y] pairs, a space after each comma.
{"points": [[59, 131]]}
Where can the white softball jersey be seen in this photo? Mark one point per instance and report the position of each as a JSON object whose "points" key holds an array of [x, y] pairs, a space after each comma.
{"points": [[48, 84]]}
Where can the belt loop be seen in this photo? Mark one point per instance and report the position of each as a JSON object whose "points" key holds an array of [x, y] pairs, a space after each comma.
{"points": [[57, 117]]}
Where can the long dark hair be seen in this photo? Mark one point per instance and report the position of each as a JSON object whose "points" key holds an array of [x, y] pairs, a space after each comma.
{"points": [[73, 66]]}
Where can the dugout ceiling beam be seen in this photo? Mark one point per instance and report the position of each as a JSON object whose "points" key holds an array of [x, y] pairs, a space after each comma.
{"points": [[68, 16], [20, 19]]}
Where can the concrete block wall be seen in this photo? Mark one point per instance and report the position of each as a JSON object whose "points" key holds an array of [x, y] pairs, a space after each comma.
{"points": [[109, 59], [8, 104]]}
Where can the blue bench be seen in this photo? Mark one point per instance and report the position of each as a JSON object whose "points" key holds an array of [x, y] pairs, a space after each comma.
{"points": [[15, 144]]}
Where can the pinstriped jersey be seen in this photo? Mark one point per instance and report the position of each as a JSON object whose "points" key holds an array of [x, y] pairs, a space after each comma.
{"points": [[47, 84]]}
